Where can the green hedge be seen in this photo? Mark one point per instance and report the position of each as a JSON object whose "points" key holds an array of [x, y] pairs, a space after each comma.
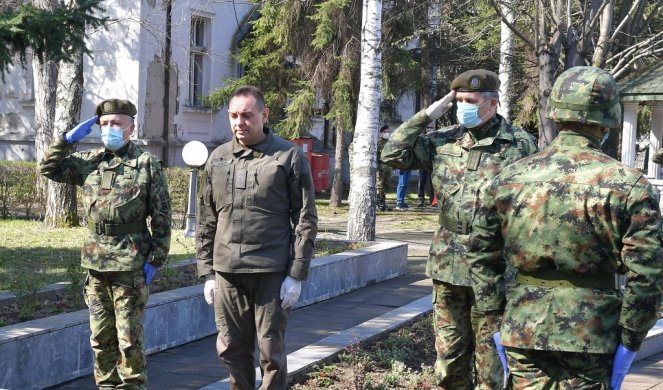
{"points": [[19, 194]]}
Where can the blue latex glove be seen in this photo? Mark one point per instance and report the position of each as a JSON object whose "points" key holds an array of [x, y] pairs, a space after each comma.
{"points": [[80, 131], [620, 366], [150, 271], [502, 353]]}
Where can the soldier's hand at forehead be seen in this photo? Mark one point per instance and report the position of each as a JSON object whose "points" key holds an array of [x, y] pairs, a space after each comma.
{"points": [[440, 107], [81, 130]]}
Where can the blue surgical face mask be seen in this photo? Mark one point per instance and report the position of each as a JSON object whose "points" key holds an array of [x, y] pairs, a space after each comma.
{"points": [[605, 137], [112, 137], [468, 114]]}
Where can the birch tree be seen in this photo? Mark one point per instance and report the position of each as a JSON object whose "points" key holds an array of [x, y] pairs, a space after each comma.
{"points": [[611, 34], [362, 199], [506, 62]]}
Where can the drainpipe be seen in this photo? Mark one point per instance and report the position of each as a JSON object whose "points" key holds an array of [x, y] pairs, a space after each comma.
{"points": [[166, 84]]}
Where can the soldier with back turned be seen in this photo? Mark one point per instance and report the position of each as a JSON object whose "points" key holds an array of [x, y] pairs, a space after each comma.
{"points": [[569, 218]]}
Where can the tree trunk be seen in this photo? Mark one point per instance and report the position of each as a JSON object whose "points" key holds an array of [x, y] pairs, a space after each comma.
{"points": [[337, 181], [426, 66], [548, 51], [361, 216], [605, 30], [61, 199], [506, 62]]}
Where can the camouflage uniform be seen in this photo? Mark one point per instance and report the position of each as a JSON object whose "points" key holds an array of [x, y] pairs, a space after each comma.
{"points": [[257, 223], [567, 219], [461, 160], [384, 175], [120, 191]]}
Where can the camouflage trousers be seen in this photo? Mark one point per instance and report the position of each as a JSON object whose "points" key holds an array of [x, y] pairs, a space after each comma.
{"points": [[246, 306], [382, 182], [117, 303], [534, 370], [463, 341]]}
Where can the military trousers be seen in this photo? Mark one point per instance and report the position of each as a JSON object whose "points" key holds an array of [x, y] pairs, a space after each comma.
{"points": [[534, 370], [466, 353], [247, 306], [116, 301]]}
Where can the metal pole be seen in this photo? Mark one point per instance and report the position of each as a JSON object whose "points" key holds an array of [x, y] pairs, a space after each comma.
{"points": [[191, 211]]}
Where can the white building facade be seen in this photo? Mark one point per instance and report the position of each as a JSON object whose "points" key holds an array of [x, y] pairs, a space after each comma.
{"points": [[129, 61]]}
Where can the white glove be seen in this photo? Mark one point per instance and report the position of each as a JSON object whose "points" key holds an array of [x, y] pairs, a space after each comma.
{"points": [[290, 290], [440, 107], [208, 291]]}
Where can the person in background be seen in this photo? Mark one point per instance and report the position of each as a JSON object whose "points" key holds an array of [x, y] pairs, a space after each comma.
{"points": [[401, 190], [568, 219], [384, 171], [462, 158], [256, 225], [124, 187], [425, 180]]}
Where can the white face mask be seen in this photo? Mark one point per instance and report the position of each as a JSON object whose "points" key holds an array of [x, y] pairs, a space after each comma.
{"points": [[384, 135]]}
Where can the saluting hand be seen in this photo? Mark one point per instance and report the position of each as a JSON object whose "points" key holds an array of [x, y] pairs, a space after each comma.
{"points": [[440, 107], [80, 131]]}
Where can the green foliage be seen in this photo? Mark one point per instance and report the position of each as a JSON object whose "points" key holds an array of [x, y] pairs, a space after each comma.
{"points": [[324, 17], [56, 34], [297, 119], [17, 187], [178, 188]]}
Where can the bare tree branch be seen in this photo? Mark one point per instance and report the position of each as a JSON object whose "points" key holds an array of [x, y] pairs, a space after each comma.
{"points": [[651, 16], [511, 26], [618, 73], [626, 18]]}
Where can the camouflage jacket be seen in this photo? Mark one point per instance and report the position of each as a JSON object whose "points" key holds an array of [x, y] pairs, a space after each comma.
{"points": [[256, 210], [460, 166], [572, 213], [383, 168], [120, 190]]}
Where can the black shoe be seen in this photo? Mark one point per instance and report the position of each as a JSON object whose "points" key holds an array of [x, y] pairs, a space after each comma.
{"points": [[420, 204]]}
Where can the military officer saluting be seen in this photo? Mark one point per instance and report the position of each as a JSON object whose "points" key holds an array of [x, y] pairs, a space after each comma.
{"points": [[123, 187], [461, 159], [569, 218]]}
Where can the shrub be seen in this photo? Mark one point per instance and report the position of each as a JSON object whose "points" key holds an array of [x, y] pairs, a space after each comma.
{"points": [[18, 189]]}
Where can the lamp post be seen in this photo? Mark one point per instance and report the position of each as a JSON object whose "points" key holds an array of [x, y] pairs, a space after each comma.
{"points": [[194, 155]]}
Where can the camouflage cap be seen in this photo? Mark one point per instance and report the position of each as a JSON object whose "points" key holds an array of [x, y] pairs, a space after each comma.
{"points": [[476, 80], [585, 94], [115, 106]]}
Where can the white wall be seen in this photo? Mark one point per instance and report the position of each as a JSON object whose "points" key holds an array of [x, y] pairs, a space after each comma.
{"points": [[126, 63]]}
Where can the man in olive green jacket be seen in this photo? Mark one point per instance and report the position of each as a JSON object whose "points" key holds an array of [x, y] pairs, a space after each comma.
{"points": [[256, 227]]}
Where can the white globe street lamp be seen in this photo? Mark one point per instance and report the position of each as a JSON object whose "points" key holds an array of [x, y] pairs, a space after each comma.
{"points": [[194, 154]]}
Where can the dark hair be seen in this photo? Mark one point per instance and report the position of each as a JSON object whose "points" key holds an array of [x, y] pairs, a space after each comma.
{"points": [[251, 91], [384, 127]]}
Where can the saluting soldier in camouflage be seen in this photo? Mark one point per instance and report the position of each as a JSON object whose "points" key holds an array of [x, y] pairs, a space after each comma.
{"points": [[461, 158], [123, 186], [384, 170], [569, 218]]}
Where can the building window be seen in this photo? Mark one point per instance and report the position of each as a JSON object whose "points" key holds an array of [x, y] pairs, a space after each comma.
{"points": [[198, 60]]}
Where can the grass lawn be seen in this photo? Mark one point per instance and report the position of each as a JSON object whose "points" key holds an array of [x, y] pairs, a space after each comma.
{"points": [[32, 255]]}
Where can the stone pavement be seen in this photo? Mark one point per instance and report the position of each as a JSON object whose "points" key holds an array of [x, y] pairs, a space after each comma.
{"points": [[194, 365]]}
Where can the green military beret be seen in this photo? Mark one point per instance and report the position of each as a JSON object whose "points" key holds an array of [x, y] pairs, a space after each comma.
{"points": [[115, 106], [476, 80]]}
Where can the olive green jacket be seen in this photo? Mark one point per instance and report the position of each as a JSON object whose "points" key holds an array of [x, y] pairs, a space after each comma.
{"points": [[256, 210]]}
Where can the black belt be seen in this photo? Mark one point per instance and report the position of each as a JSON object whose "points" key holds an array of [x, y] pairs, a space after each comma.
{"points": [[454, 225], [114, 229], [551, 279]]}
